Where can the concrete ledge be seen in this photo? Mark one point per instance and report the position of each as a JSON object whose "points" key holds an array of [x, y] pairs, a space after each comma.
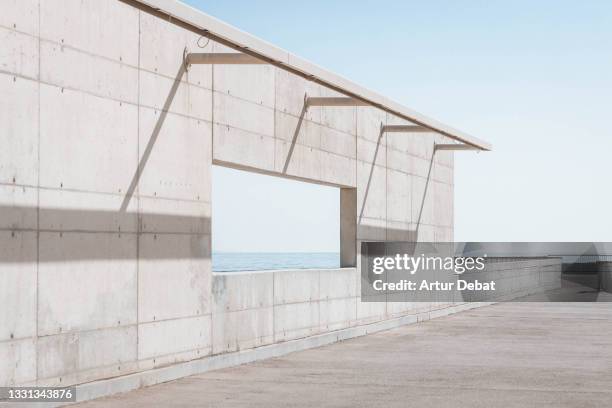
{"points": [[111, 386]]}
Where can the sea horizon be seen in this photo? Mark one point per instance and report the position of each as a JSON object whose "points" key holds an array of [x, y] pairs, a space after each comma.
{"points": [[226, 261]]}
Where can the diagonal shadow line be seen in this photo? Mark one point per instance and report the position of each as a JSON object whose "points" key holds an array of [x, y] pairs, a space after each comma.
{"points": [[295, 136], [425, 191], [365, 196], [154, 135]]}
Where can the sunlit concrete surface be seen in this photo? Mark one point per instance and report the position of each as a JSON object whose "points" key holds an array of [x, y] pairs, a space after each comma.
{"points": [[505, 355]]}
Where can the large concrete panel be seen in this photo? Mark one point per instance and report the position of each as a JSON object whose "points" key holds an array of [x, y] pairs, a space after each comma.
{"points": [[444, 234], [161, 50], [160, 215], [254, 83], [338, 142], [175, 156], [175, 95], [69, 68], [19, 130], [336, 314], [422, 144], [338, 170], [295, 320], [62, 210], [426, 233], [443, 204], [108, 28], [368, 312], [18, 207], [422, 200], [241, 114], [19, 53], [418, 144], [296, 286], [371, 191], [242, 329], [421, 167], [400, 142], [442, 173], [397, 308], [342, 118], [400, 161], [242, 291], [20, 15], [445, 157], [174, 276], [86, 142], [86, 281], [371, 229], [291, 129], [401, 231], [338, 283], [18, 359], [298, 160], [70, 353], [17, 285], [399, 186], [174, 336], [372, 152], [255, 327], [243, 148], [369, 122], [290, 93]]}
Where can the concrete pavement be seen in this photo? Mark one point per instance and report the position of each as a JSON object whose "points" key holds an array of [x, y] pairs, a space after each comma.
{"points": [[505, 355]]}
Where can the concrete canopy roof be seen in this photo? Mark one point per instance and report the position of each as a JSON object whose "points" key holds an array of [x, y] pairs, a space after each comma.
{"points": [[249, 44]]}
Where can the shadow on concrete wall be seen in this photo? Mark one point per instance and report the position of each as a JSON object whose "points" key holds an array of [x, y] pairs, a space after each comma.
{"points": [[296, 132], [102, 235], [367, 189], [149, 148], [67, 221], [418, 224], [412, 234]]}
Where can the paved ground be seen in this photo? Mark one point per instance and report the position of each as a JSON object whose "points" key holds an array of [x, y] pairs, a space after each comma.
{"points": [[506, 355]]}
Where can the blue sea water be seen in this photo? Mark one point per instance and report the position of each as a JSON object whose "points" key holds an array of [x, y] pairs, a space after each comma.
{"points": [[251, 261]]}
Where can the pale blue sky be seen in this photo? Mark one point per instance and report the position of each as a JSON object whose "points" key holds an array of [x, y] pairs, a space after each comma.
{"points": [[533, 78], [257, 213]]}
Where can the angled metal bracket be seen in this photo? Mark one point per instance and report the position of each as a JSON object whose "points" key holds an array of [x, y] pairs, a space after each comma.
{"points": [[404, 129], [422, 129], [456, 146], [333, 101], [221, 58]]}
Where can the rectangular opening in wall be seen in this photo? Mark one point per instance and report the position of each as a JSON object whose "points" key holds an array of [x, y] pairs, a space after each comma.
{"points": [[262, 222]]}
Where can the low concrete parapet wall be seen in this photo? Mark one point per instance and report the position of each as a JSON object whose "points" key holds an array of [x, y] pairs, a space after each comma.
{"points": [[604, 268], [515, 278], [252, 309], [263, 314]]}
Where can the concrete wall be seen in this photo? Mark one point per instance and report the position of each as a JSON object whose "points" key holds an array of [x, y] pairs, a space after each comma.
{"points": [[604, 270], [105, 194], [252, 309], [515, 278]]}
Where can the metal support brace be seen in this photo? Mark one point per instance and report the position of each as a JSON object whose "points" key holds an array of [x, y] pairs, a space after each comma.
{"points": [[405, 129], [422, 129], [333, 101], [454, 146], [220, 58]]}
